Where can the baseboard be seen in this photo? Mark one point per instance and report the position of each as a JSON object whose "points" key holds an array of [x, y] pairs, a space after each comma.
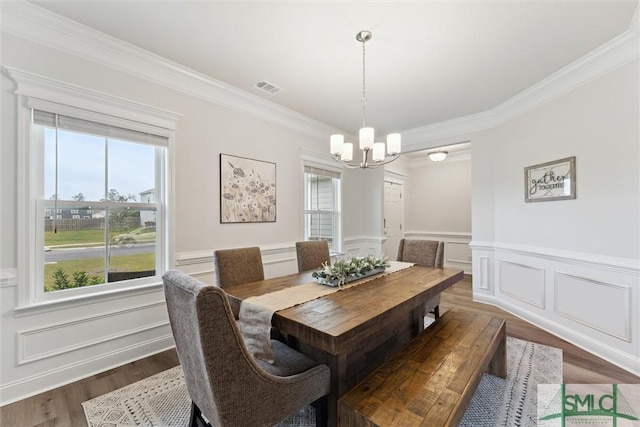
{"points": [[618, 358], [45, 381]]}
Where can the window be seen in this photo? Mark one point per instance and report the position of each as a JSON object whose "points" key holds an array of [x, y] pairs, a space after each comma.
{"points": [[88, 163], [322, 206], [85, 154]]}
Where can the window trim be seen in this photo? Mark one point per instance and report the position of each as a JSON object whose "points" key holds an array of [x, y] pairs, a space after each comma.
{"points": [[313, 160], [36, 90]]}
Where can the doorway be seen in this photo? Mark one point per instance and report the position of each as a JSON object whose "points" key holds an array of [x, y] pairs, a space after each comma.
{"points": [[393, 218]]}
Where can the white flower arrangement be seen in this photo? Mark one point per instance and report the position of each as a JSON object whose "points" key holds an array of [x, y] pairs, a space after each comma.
{"points": [[345, 271]]}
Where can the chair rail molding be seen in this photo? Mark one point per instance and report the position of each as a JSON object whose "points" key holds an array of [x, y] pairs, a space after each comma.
{"points": [[8, 277], [363, 245], [457, 253], [624, 265], [559, 290]]}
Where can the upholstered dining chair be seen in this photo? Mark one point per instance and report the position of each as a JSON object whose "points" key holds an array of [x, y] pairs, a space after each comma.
{"points": [[312, 254], [238, 266], [429, 253], [226, 384]]}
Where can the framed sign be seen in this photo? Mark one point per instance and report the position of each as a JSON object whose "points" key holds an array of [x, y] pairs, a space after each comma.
{"points": [[247, 190], [554, 180]]}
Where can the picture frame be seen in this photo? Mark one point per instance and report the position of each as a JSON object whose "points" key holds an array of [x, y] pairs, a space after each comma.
{"points": [[247, 190], [554, 180]]}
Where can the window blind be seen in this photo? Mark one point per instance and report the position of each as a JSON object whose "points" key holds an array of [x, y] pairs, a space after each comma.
{"points": [[46, 118], [321, 172]]}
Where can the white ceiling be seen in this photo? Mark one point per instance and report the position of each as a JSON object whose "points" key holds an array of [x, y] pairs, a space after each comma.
{"points": [[428, 62]]}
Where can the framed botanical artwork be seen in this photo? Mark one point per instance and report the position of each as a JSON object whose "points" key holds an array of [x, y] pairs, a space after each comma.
{"points": [[247, 190], [555, 180]]}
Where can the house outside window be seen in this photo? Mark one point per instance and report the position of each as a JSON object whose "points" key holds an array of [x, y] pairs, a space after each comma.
{"points": [[322, 199], [89, 152]]}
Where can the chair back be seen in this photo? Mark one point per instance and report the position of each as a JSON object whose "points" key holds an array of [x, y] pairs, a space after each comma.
{"points": [[429, 253], [312, 254], [238, 266], [208, 342], [224, 381]]}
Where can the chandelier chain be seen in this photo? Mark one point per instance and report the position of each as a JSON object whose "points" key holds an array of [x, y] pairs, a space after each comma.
{"points": [[364, 87]]}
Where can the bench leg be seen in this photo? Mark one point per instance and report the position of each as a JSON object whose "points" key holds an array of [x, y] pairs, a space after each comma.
{"points": [[498, 364]]}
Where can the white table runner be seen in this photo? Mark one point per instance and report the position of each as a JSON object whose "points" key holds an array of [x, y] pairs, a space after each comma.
{"points": [[256, 312]]}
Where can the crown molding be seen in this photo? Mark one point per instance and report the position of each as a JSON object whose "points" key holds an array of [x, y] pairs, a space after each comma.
{"points": [[40, 26], [44, 88], [616, 53]]}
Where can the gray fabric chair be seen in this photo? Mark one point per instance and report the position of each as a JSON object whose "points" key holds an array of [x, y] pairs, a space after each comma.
{"points": [[226, 384], [311, 254], [238, 266], [429, 253]]}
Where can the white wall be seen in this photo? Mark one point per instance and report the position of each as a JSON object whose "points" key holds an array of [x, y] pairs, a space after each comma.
{"points": [[438, 206], [569, 266], [602, 254], [45, 347], [363, 210]]}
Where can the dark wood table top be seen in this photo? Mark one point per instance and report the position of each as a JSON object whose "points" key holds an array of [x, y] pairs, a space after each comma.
{"points": [[333, 322]]}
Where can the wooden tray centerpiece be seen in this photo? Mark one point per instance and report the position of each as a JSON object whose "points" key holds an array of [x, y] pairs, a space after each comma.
{"points": [[345, 271]]}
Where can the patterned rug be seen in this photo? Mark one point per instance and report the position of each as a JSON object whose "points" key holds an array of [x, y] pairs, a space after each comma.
{"points": [[162, 400]]}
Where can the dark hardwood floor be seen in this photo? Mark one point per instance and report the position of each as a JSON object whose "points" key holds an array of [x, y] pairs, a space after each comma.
{"points": [[62, 406]]}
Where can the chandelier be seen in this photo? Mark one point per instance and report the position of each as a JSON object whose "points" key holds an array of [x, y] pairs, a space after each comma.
{"points": [[343, 151]]}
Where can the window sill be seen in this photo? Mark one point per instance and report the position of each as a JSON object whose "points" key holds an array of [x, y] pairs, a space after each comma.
{"points": [[80, 300]]}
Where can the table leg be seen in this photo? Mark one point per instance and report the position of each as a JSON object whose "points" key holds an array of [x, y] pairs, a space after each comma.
{"points": [[498, 364], [338, 366]]}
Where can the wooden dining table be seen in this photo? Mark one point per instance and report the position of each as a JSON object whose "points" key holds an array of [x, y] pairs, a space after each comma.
{"points": [[356, 329]]}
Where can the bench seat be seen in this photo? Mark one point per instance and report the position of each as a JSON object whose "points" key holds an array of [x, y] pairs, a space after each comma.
{"points": [[430, 381]]}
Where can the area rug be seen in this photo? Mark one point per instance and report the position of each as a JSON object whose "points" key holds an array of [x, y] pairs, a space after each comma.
{"points": [[162, 400]]}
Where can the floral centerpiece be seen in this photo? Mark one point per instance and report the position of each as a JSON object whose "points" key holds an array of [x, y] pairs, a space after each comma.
{"points": [[345, 271]]}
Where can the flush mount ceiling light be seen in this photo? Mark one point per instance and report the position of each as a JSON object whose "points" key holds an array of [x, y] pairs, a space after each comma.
{"points": [[438, 156], [343, 151]]}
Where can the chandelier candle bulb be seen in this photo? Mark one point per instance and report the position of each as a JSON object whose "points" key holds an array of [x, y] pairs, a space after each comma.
{"points": [[367, 136], [393, 143], [347, 152], [378, 151], [337, 142], [373, 154]]}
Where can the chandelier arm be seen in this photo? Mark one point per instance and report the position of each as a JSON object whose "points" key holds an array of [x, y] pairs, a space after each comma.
{"points": [[367, 141], [348, 165], [389, 160]]}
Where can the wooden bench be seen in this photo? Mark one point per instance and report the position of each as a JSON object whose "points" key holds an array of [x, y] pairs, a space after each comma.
{"points": [[430, 381]]}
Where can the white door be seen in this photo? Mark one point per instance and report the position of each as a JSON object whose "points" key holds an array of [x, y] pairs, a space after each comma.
{"points": [[393, 215]]}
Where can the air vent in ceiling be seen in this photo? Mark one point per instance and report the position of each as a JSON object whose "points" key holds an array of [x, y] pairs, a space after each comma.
{"points": [[268, 87]]}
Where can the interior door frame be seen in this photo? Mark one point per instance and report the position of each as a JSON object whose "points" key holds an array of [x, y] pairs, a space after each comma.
{"points": [[394, 178]]}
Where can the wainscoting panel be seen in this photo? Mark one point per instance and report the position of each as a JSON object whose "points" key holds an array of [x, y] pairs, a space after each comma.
{"points": [[484, 272], [54, 340], [523, 282], [362, 246], [602, 306], [589, 300]]}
